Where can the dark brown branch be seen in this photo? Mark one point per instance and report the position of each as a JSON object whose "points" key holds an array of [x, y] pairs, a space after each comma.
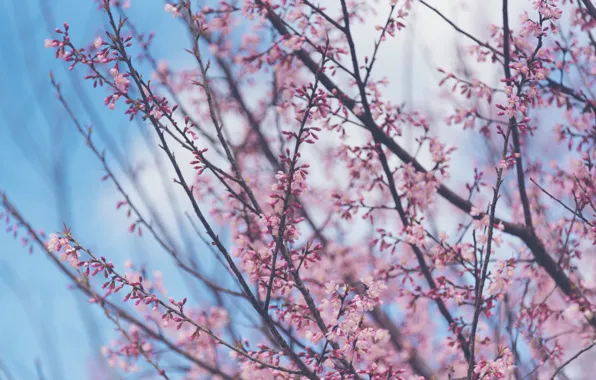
{"points": [[589, 347], [590, 8], [513, 123]]}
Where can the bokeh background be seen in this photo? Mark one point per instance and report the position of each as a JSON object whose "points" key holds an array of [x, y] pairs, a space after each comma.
{"points": [[47, 330]]}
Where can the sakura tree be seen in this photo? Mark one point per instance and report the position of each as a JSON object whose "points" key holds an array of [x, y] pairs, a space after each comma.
{"points": [[357, 235]]}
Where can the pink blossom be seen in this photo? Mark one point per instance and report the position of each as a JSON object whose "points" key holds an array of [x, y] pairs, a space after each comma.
{"points": [[172, 9], [97, 42]]}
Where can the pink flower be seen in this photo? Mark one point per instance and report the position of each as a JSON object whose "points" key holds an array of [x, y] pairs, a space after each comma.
{"points": [[97, 42], [54, 244], [156, 113], [172, 9], [120, 80]]}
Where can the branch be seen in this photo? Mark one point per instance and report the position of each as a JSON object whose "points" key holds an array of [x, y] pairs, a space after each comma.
{"points": [[589, 347], [513, 122], [591, 8]]}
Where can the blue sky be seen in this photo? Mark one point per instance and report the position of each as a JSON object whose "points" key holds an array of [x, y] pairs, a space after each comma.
{"points": [[45, 320], [42, 320]]}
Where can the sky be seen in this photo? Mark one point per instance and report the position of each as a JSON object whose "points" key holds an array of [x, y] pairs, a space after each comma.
{"points": [[53, 179], [48, 173], [51, 176]]}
